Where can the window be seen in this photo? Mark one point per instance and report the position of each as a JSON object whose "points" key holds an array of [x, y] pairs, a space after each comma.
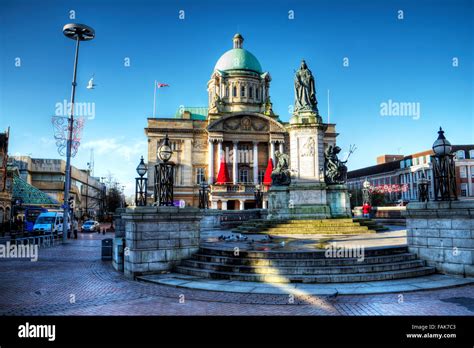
{"points": [[244, 175], [256, 97], [251, 92], [234, 91], [463, 172], [464, 190], [261, 176], [227, 91], [242, 91], [471, 154], [200, 175], [460, 154], [472, 171]]}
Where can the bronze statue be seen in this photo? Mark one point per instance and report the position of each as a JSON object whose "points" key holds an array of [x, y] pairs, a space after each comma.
{"points": [[305, 90], [281, 174], [335, 170]]}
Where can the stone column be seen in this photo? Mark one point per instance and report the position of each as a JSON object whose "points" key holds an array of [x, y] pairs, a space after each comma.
{"points": [[272, 151], [255, 162], [280, 148], [211, 162], [241, 201], [213, 204], [219, 152], [224, 205], [264, 204], [469, 181], [235, 163]]}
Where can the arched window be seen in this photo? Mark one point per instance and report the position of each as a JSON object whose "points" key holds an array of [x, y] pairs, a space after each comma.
{"points": [[242, 91], [256, 93], [234, 91], [250, 92], [227, 91]]}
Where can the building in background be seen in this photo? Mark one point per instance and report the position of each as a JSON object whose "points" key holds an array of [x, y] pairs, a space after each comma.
{"points": [[237, 132], [397, 176], [6, 179], [47, 175]]}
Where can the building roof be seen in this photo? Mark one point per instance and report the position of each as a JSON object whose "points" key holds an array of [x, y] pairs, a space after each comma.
{"points": [[197, 113], [29, 194], [372, 170], [238, 59]]}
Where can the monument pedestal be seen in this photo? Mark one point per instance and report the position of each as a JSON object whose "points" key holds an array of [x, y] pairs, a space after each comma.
{"points": [[157, 238]]}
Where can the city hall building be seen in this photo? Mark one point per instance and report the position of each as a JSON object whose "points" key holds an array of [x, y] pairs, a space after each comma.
{"points": [[237, 133]]}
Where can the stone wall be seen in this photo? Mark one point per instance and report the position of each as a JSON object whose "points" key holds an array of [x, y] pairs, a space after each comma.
{"points": [[157, 238], [442, 233]]}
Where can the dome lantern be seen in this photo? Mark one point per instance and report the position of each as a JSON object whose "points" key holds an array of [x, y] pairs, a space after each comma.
{"points": [[238, 40]]}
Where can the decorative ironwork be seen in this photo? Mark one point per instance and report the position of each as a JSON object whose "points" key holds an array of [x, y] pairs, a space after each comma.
{"points": [[61, 130], [423, 186], [141, 184], [444, 170], [164, 175], [203, 195]]}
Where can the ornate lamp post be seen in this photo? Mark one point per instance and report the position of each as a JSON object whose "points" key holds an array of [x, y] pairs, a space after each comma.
{"points": [[141, 184], [444, 170], [258, 193], [366, 194], [423, 185], [164, 175], [203, 195], [77, 32]]}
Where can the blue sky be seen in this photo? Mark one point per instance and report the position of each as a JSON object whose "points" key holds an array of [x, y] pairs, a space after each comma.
{"points": [[403, 60]]}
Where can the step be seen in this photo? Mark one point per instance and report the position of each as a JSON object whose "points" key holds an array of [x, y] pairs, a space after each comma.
{"points": [[335, 278], [302, 270], [317, 254], [303, 262]]}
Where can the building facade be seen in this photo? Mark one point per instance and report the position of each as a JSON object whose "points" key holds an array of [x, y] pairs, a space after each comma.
{"points": [[48, 176], [237, 132], [398, 176], [6, 180]]}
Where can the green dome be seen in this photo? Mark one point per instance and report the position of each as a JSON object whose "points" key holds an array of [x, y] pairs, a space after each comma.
{"points": [[238, 59]]}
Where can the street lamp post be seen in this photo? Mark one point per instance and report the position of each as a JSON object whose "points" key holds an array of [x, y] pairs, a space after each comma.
{"points": [[141, 184], [164, 175], [203, 195], [77, 32], [444, 170], [258, 196]]}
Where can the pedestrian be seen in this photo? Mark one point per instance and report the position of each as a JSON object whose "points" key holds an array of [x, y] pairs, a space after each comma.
{"points": [[366, 208], [75, 228]]}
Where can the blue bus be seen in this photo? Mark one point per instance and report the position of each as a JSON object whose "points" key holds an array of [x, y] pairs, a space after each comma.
{"points": [[31, 213]]}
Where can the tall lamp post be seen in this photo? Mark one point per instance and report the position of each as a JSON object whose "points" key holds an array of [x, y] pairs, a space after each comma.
{"points": [[203, 195], [141, 184], [77, 32], [366, 194], [164, 175], [444, 170], [258, 196]]}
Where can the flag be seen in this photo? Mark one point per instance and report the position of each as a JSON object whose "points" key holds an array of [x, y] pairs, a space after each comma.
{"points": [[159, 85], [223, 176], [267, 179]]}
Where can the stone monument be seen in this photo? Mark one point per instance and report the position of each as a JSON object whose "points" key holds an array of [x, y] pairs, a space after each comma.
{"points": [[317, 188]]}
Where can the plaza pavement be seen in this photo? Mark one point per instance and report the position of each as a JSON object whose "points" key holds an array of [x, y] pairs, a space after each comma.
{"points": [[71, 279]]}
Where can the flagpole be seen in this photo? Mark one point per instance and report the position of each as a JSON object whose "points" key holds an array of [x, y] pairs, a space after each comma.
{"points": [[154, 100]]}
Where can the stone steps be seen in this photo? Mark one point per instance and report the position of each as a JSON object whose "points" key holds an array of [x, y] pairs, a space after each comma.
{"points": [[382, 263], [322, 226], [323, 278], [304, 270], [226, 260]]}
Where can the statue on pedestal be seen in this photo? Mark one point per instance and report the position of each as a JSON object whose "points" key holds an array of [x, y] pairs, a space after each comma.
{"points": [[281, 174], [305, 90]]}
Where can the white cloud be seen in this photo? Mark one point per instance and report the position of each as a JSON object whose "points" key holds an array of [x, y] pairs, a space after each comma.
{"points": [[126, 149]]}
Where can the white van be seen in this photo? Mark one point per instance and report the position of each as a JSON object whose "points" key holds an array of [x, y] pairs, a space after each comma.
{"points": [[50, 222]]}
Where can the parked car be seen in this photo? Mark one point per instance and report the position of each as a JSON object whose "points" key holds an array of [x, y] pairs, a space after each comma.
{"points": [[90, 226], [50, 222]]}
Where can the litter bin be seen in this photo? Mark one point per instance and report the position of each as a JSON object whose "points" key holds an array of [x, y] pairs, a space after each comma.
{"points": [[107, 245]]}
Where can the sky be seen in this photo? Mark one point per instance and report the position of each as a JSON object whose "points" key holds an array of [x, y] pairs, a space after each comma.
{"points": [[370, 55]]}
